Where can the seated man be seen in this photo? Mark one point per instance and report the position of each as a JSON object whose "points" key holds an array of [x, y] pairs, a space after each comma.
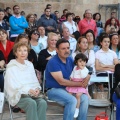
{"points": [[72, 41], [57, 75]]}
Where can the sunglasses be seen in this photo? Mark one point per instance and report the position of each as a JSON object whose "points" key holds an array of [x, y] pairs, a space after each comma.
{"points": [[35, 33]]}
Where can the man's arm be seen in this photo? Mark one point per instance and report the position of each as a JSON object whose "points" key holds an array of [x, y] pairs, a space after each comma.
{"points": [[13, 25], [59, 78]]}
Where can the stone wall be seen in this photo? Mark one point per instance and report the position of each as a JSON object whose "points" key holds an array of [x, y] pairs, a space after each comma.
{"points": [[76, 6]]}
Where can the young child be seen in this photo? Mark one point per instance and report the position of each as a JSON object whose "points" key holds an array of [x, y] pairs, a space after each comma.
{"points": [[78, 74]]}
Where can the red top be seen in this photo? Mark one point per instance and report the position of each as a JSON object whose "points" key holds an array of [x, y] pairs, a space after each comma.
{"points": [[9, 46], [85, 25]]}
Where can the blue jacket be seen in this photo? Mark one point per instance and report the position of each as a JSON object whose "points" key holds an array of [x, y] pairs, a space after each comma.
{"points": [[17, 25]]}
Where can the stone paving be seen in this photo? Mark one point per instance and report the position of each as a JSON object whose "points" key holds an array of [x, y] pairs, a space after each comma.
{"points": [[53, 109]]}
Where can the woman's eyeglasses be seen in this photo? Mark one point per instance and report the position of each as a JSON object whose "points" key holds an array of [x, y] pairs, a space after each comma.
{"points": [[36, 33]]}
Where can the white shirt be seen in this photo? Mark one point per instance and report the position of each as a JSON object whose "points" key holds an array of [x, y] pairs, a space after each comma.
{"points": [[72, 27], [53, 53], [80, 73], [43, 40], [106, 57], [19, 79], [91, 58], [73, 44]]}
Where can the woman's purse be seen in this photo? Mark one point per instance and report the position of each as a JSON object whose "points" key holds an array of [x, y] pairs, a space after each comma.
{"points": [[117, 91], [102, 116]]}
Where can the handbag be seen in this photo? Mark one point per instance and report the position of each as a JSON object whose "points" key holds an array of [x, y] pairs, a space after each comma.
{"points": [[117, 91], [102, 116], [1, 101]]}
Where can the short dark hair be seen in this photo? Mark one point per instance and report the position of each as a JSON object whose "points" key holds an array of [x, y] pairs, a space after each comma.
{"points": [[81, 56], [33, 31], [56, 11], [90, 31], [35, 15], [48, 5], [103, 35], [7, 8], [60, 41], [65, 10], [46, 9], [113, 12], [15, 6], [68, 14], [94, 15], [1, 10], [40, 26]]}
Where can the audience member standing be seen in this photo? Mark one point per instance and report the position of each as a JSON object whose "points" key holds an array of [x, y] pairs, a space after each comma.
{"points": [[49, 24], [87, 23], [18, 23], [8, 14], [70, 24], [31, 23], [52, 15]]}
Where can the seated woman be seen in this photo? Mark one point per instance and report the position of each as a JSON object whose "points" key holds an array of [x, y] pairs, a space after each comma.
{"points": [[5, 45], [23, 38], [46, 54], [82, 46], [34, 44], [21, 85], [2, 65], [106, 59], [91, 40], [112, 27], [114, 43]]}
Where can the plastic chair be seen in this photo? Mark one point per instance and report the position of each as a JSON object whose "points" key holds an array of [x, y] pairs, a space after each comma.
{"points": [[105, 103]]}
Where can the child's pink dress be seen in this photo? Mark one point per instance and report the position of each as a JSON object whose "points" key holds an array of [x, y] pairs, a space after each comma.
{"points": [[78, 75]]}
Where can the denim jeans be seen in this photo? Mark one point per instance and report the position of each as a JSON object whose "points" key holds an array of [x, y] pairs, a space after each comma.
{"points": [[117, 102], [69, 102]]}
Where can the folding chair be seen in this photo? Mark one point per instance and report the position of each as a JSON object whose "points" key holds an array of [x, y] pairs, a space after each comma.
{"points": [[105, 103], [51, 102], [10, 109]]}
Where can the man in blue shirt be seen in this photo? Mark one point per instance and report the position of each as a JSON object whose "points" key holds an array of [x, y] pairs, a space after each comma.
{"points": [[47, 22], [57, 76], [18, 23]]}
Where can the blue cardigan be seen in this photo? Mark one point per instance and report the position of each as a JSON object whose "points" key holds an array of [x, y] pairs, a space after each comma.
{"points": [[17, 25]]}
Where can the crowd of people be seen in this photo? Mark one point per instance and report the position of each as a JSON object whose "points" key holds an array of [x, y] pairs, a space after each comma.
{"points": [[66, 48]]}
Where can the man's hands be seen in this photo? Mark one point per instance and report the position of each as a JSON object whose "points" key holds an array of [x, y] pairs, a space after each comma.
{"points": [[85, 81]]}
